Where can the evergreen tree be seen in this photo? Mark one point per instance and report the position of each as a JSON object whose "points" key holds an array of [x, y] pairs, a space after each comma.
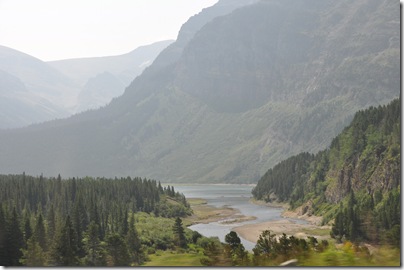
{"points": [[118, 253], [3, 238], [215, 254], [51, 221], [27, 229], [133, 242], [265, 245], [232, 239], [95, 252], [179, 233], [14, 241], [237, 251], [33, 255], [79, 220], [65, 252], [40, 234]]}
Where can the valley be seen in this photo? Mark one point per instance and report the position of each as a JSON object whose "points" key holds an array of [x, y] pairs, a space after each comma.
{"points": [[213, 112], [268, 131]]}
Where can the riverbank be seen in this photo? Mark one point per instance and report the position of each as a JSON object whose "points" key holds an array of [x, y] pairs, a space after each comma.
{"points": [[251, 232], [298, 213], [204, 213]]}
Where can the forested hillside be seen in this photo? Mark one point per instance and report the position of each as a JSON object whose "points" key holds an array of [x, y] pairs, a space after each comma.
{"points": [[356, 181], [91, 222]]}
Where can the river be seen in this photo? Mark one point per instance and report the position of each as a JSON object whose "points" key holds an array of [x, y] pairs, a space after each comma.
{"points": [[234, 196]]}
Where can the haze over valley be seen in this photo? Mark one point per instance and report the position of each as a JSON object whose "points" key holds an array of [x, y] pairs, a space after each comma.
{"points": [[34, 91], [236, 93], [267, 133]]}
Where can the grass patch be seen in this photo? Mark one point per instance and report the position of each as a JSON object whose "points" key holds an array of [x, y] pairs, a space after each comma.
{"points": [[196, 201], [171, 258], [317, 231]]}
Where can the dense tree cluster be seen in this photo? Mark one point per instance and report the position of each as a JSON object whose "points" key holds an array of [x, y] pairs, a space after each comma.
{"points": [[290, 172], [356, 181], [274, 250], [50, 221]]}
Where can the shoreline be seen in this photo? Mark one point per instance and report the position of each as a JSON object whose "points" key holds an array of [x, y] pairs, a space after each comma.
{"points": [[251, 232], [204, 213], [295, 214]]}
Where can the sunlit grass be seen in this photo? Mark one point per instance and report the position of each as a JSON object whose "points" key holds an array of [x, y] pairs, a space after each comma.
{"points": [[203, 213], [172, 258], [317, 232], [350, 255], [196, 201]]}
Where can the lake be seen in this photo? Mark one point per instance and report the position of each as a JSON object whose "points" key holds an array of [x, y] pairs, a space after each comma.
{"points": [[234, 196]]}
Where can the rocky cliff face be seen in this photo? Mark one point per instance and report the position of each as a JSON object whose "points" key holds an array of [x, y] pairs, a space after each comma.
{"points": [[364, 159]]}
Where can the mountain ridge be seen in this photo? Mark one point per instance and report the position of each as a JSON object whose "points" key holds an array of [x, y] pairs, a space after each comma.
{"points": [[165, 127], [53, 93]]}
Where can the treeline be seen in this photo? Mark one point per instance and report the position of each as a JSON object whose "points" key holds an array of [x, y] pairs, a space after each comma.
{"points": [[276, 250], [356, 181], [56, 222]]}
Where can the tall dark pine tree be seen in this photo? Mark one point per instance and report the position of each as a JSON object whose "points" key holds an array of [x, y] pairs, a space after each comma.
{"points": [[65, 252], [179, 233], [79, 220], [95, 253], [14, 241], [27, 229], [117, 250], [39, 232], [3, 238], [51, 221], [133, 241]]}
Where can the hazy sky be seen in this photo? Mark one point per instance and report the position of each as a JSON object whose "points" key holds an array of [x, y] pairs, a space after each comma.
{"points": [[60, 29]]}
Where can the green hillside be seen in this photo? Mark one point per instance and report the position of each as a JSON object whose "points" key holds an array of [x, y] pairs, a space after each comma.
{"points": [[356, 180]]}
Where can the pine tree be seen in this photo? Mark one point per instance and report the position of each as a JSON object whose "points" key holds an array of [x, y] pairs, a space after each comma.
{"points": [[117, 251], [14, 241], [237, 251], [3, 238], [80, 221], [95, 252], [232, 239], [39, 233], [51, 225], [133, 241], [265, 245], [27, 229], [179, 233], [33, 255], [65, 252]]}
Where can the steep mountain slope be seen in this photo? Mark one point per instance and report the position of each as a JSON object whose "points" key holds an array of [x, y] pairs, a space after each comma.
{"points": [[99, 91], [241, 93], [103, 78], [20, 107], [31, 91], [361, 167]]}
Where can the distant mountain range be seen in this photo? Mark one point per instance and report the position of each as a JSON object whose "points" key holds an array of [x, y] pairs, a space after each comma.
{"points": [[33, 91], [103, 78], [245, 85]]}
